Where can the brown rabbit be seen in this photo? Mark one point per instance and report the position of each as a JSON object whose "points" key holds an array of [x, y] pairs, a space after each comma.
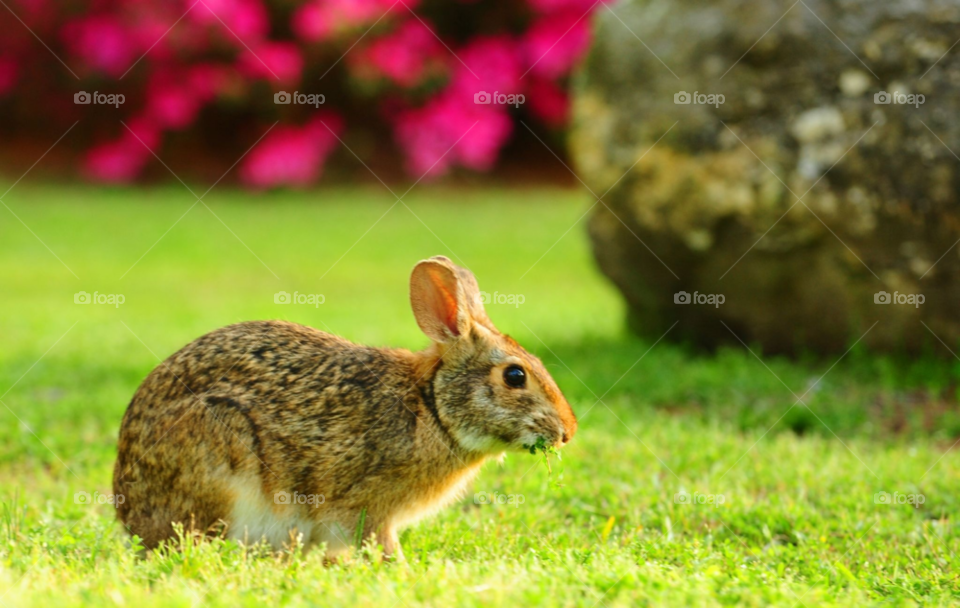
{"points": [[270, 428]]}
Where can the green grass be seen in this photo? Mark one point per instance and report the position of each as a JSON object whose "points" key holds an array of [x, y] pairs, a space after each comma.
{"points": [[798, 524]]}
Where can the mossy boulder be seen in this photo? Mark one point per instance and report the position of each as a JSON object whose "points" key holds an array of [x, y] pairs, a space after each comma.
{"points": [[809, 170]]}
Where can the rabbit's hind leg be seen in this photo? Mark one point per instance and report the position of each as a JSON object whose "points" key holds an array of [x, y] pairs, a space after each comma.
{"points": [[171, 469]]}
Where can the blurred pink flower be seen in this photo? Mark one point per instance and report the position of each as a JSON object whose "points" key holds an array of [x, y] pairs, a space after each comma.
{"points": [[221, 47], [115, 162], [311, 22], [122, 160], [321, 19], [244, 19], [278, 61], [151, 31], [480, 146], [406, 56], [172, 103], [101, 42], [548, 102], [142, 131], [555, 43], [207, 80], [292, 156], [489, 64], [449, 130], [8, 74]]}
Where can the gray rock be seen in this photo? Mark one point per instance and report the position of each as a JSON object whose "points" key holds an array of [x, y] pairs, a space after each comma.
{"points": [[810, 170]]}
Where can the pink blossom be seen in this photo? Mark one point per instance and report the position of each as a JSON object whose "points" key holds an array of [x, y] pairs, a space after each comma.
{"points": [[291, 156], [9, 70], [406, 56], [207, 80], [480, 146], [122, 160], [548, 102], [101, 42], [311, 22], [490, 64], [244, 19], [555, 43], [142, 131], [326, 129], [151, 30], [320, 19], [114, 162], [448, 131], [280, 61], [221, 50], [171, 102]]}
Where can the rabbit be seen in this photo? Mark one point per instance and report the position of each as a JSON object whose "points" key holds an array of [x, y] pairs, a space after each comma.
{"points": [[270, 431]]}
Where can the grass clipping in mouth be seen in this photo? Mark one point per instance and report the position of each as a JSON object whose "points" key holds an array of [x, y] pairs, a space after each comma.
{"points": [[542, 447]]}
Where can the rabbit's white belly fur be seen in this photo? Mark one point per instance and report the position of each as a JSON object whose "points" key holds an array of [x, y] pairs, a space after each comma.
{"points": [[257, 517]]}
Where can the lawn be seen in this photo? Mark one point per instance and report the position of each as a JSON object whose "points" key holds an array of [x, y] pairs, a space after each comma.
{"points": [[795, 451]]}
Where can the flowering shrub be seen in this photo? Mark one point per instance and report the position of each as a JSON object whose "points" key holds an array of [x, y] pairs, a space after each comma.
{"points": [[450, 78]]}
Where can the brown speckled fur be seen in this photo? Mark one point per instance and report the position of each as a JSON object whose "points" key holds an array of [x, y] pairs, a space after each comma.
{"points": [[388, 431]]}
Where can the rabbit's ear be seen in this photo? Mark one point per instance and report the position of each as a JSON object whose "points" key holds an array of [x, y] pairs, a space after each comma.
{"points": [[445, 299]]}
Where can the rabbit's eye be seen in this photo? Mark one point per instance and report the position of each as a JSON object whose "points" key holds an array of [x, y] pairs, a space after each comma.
{"points": [[515, 377]]}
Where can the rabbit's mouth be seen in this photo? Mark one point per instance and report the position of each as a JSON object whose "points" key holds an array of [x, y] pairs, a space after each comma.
{"points": [[538, 441], [543, 435], [519, 438], [498, 443]]}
